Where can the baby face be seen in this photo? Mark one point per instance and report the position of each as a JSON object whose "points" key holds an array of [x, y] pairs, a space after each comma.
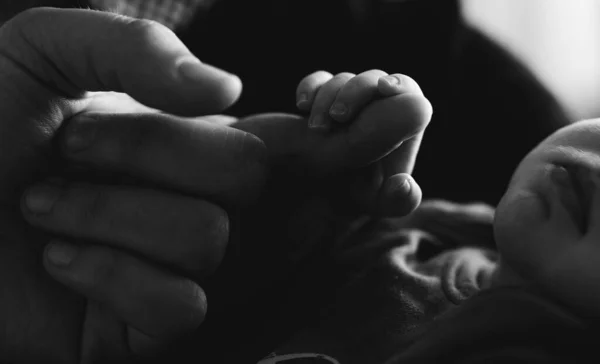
{"points": [[547, 225]]}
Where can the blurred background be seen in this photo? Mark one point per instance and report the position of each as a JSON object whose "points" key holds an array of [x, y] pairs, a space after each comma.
{"points": [[558, 39]]}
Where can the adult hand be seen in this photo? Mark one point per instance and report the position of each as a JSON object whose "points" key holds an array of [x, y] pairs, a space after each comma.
{"points": [[301, 212], [49, 60]]}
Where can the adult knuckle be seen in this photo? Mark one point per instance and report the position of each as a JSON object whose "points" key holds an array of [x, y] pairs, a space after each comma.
{"points": [[209, 240], [135, 140], [15, 32], [104, 270], [27, 17], [95, 205], [21, 18]]}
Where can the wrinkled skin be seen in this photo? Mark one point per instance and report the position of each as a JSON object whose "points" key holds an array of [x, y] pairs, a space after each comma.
{"points": [[44, 321]]}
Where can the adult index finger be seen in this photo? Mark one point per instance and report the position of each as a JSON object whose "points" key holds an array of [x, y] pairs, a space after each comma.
{"points": [[377, 131], [193, 156]]}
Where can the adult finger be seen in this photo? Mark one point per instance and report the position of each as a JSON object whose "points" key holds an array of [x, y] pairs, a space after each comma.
{"points": [[75, 50], [377, 131], [226, 120], [191, 155], [110, 102], [157, 305], [185, 233], [120, 103]]}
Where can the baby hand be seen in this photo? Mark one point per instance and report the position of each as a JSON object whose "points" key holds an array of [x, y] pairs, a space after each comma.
{"points": [[372, 156], [379, 118], [334, 100]]}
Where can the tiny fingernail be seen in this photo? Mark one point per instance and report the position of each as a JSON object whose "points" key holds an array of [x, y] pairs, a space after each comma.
{"points": [[338, 109], [404, 186], [302, 99], [40, 199], [392, 80], [80, 133], [396, 186], [317, 121], [61, 254]]}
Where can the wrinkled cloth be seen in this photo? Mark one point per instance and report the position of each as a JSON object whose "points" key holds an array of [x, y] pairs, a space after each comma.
{"points": [[417, 290], [361, 294], [504, 325], [398, 275]]}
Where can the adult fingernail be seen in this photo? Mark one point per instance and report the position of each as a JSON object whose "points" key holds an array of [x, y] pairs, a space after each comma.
{"points": [[338, 109], [302, 99], [40, 199], [80, 133], [192, 69], [317, 122], [61, 254]]}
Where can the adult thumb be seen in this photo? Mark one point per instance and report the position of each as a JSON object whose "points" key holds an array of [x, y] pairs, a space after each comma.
{"points": [[76, 50]]}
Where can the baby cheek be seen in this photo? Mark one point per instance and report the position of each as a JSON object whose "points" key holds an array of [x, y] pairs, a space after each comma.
{"points": [[519, 230], [521, 213]]}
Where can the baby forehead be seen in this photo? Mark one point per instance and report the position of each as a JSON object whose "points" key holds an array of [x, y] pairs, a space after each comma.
{"points": [[585, 133], [574, 143]]}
